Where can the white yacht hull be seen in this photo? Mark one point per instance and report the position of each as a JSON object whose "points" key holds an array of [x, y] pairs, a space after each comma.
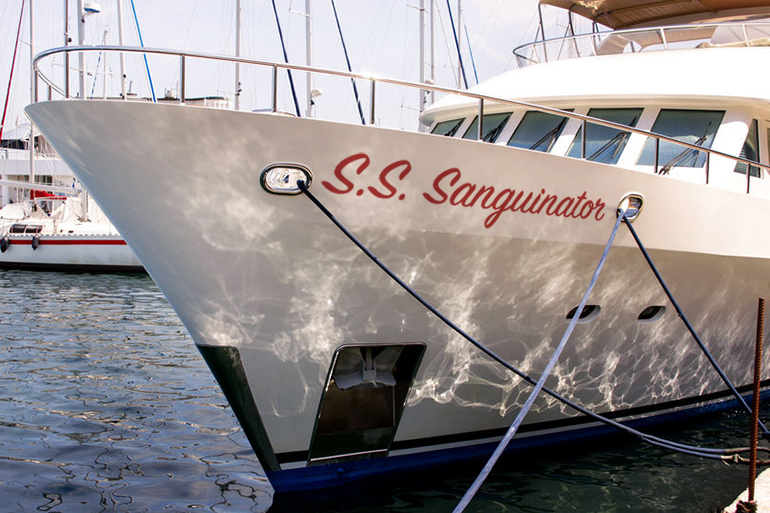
{"points": [[267, 286]]}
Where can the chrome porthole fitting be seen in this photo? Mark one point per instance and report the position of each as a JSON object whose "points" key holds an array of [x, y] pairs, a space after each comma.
{"points": [[631, 203], [283, 178]]}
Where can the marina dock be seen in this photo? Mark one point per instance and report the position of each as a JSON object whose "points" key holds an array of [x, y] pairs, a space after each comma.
{"points": [[761, 495]]}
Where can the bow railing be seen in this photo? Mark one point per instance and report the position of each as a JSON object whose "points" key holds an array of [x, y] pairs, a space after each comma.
{"points": [[481, 100]]}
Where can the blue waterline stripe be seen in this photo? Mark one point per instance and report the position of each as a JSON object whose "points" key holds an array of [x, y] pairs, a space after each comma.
{"points": [[302, 456]]}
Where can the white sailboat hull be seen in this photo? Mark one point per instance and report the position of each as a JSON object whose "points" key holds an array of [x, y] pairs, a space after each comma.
{"points": [[271, 280], [56, 252]]}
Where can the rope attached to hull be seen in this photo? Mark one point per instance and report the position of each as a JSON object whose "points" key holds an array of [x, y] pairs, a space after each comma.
{"points": [[730, 455]]}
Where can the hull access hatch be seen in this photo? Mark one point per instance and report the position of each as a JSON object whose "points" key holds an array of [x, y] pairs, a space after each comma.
{"points": [[364, 397]]}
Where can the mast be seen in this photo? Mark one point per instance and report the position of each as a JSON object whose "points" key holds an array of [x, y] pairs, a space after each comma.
{"points": [[66, 43], [32, 98], [13, 65], [104, 74], [432, 45], [423, 93], [237, 54], [122, 55], [309, 58], [82, 83], [82, 55], [459, 39]]}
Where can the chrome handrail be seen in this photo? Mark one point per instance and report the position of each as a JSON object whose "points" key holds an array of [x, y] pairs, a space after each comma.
{"points": [[523, 52], [480, 98]]}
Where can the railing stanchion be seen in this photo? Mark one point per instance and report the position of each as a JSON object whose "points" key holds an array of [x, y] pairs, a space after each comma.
{"points": [[583, 140], [275, 88], [481, 120], [371, 114], [34, 85], [66, 75], [657, 154], [748, 178], [182, 84], [708, 164]]}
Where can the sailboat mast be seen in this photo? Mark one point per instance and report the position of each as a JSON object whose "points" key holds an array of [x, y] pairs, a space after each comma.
{"points": [[459, 39], [81, 42], [82, 84], [423, 93], [66, 43], [122, 55], [13, 65], [237, 54], [32, 97], [432, 44], [309, 57]]}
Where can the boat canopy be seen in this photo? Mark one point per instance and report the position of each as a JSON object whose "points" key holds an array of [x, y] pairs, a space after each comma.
{"points": [[621, 14]]}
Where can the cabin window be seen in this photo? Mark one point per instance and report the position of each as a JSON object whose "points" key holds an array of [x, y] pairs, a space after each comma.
{"points": [[750, 151], [538, 131], [690, 126], [13, 144], [605, 144], [493, 125], [447, 128]]}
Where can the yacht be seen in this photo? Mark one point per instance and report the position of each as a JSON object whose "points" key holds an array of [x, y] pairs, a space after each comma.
{"points": [[47, 221], [493, 219]]}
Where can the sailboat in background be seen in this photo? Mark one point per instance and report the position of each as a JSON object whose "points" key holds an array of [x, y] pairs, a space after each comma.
{"points": [[47, 220]]}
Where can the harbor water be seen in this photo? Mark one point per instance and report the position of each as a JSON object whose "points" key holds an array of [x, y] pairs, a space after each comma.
{"points": [[106, 405]]}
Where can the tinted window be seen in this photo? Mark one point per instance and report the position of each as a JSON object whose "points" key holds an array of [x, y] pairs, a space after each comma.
{"points": [[690, 126], [605, 144], [750, 151], [538, 131], [447, 128], [493, 125]]}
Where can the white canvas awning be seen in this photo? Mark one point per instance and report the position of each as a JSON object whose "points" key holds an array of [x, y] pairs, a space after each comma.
{"points": [[620, 14]]}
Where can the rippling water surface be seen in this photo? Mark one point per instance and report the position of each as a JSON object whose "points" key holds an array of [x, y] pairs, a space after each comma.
{"points": [[106, 405]]}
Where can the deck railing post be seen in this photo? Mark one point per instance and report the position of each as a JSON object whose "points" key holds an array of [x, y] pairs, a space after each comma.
{"points": [[182, 84], [583, 139], [275, 89], [480, 131], [708, 164], [372, 101], [66, 75], [34, 85], [748, 178], [657, 153]]}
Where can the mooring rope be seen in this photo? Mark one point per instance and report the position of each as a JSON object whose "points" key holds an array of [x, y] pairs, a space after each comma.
{"points": [[689, 326], [541, 382], [730, 455]]}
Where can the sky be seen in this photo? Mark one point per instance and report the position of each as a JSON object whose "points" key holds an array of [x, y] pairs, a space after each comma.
{"points": [[381, 37]]}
